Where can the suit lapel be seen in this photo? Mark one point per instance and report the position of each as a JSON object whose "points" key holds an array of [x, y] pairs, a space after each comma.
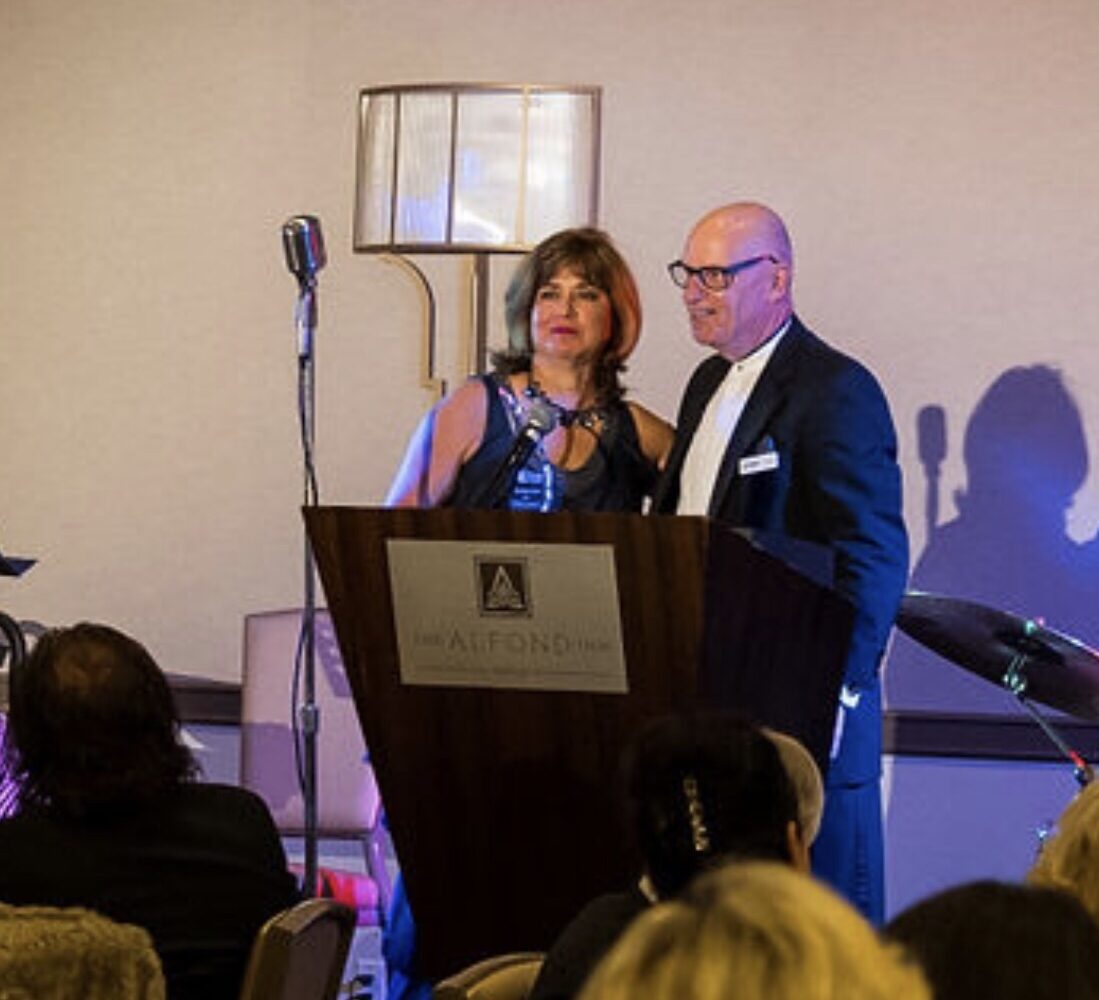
{"points": [[702, 387], [768, 395]]}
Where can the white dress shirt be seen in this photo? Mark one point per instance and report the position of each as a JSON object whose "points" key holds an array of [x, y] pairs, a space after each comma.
{"points": [[711, 438]]}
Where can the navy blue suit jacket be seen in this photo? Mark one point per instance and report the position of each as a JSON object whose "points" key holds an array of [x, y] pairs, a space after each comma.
{"points": [[836, 483]]}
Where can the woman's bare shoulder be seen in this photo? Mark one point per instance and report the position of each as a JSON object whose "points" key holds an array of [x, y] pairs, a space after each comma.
{"points": [[449, 433], [653, 432]]}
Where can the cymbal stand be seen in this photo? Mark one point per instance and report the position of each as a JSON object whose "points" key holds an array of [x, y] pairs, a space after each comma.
{"points": [[1015, 680]]}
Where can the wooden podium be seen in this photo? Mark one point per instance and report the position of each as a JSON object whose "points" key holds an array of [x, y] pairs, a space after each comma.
{"points": [[504, 805]]}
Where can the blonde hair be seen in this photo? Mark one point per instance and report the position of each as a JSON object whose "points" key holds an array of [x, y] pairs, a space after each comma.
{"points": [[759, 931], [1069, 860]]}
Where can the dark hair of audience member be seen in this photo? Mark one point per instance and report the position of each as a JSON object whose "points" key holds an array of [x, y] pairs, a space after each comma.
{"points": [[1000, 940], [92, 725], [705, 788]]}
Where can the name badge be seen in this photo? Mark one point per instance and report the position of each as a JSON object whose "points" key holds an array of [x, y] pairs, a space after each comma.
{"points": [[751, 464]]}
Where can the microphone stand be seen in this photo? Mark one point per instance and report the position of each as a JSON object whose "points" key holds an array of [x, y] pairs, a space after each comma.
{"points": [[308, 714], [1016, 681]]}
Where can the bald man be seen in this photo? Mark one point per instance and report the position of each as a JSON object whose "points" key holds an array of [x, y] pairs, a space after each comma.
{"points": [[779, 432]]}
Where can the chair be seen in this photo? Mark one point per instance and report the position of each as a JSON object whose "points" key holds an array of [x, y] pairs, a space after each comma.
{"points": [[502, 977], [348, 805], [299, 954]]}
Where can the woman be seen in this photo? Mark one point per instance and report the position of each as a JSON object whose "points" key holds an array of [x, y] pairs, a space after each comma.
{"points": [[111, 818], [573, 317], [702, 787], [755, 930]]}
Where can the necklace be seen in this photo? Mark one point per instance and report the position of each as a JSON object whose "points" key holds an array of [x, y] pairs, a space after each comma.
{"points": [[588, 417]]}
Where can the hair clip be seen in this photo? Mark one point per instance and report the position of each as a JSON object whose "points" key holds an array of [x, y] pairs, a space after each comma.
{"points": [[700, 836]]}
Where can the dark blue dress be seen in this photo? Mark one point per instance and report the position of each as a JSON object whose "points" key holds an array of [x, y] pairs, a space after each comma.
{"points": [[617, 476]]}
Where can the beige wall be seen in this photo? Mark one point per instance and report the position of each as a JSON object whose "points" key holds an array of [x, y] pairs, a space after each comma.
{"points": [[936, 162]]}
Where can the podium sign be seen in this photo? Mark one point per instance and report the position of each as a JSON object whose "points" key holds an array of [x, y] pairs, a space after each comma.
{"points": [[507, 615]]}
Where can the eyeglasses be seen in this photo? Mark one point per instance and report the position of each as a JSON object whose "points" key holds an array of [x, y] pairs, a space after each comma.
{"points": [[713, 278]]}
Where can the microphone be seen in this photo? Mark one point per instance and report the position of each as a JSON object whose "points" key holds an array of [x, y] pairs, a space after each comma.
{"points": [[304, 245], [541, 419]]}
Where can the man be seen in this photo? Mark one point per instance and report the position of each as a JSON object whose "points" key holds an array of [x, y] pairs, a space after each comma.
{"points": [[778, 431]]}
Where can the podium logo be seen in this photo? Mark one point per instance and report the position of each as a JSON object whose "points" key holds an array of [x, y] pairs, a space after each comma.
{"points": [[503, 587]]}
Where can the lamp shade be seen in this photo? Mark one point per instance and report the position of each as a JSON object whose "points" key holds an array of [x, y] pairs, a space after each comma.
{"points": [[474, 167]]}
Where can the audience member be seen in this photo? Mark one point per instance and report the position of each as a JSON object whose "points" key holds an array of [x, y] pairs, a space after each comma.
{"points": [[701, 788], [991, 939], [805, 776], [755, 931], [1069, 859], [109, 816]]}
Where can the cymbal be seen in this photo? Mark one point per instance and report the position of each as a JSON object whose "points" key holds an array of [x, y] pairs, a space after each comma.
{"points": [[1007, 650]]}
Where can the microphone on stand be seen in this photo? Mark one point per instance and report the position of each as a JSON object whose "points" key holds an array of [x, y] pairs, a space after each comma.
{"points": [[303, 242], [304, 246], [542, 418]]}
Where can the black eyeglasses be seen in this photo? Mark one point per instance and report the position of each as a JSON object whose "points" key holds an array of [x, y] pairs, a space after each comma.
{"points": [[713, 278]]}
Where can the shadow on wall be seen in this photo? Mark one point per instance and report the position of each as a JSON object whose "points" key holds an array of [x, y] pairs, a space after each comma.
{"points": [[1026, 457]]}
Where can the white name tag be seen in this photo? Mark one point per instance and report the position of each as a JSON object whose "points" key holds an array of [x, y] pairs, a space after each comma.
{"points": [[751, 464]]}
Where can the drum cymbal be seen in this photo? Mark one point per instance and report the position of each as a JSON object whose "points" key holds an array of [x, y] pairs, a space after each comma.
{"points": [[1057, 670]]}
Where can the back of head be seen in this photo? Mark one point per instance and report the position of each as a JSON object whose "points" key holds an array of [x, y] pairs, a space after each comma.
{"points": [[754, 931], [92, 724], [1070, 858], [806, 778], [1004, 941], [704, 787]]}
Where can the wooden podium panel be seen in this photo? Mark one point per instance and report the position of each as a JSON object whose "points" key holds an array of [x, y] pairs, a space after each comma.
{"points": [[504, 805]]}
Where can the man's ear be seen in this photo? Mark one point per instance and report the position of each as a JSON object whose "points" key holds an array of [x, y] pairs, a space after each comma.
{"points": [[796, 847], [780, 281]]}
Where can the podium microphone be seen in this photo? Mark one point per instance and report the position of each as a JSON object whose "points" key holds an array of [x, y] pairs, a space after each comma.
{"points": [[304, 245], [541, 419]]}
